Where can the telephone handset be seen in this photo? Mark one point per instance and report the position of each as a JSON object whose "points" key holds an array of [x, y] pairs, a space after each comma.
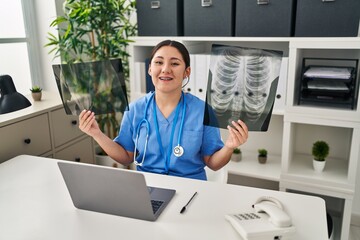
{"points": [[268, 221], [274, 209]]}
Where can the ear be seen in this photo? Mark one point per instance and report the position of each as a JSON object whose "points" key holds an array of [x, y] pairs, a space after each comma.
{"points": [[149, 70], [187, 72]]}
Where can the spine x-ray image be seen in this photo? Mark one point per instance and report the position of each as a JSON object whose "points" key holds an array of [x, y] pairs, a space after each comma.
{"points": [[242, 85]]}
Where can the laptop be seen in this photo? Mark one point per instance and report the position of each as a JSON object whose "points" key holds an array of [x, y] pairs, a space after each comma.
{"points": [[114, 191]]}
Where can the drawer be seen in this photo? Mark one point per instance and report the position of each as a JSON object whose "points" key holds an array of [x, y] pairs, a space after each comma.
{"points": [[31, 136], [321, 18], [209, 18], [160, 18], [264, 18], [65, 127], [82, 151]]}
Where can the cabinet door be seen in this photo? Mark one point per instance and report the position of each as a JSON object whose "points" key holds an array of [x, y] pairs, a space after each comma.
{"points": [[65, 127], [81, 151], [30, 136], [279, 104]]}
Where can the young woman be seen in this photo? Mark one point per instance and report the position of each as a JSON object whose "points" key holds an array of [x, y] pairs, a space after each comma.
{"points": [[163, 132]]}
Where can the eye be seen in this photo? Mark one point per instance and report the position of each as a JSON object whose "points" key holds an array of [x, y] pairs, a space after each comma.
{"points": [[175, 64], [158, 62]]}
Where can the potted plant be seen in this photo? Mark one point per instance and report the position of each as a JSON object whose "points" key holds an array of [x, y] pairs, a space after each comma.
{"points": [[95, 30], [237, 155], [262, 155], [36, 93], [320, 150]]}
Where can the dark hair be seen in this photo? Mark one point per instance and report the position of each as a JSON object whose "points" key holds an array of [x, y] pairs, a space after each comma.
{"points": [[179, 46]]}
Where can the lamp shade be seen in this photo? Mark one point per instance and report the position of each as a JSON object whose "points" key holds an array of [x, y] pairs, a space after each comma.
{"points": [[10, 99]]}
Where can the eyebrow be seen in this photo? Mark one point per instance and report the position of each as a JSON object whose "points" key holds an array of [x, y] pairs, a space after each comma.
{"points": [[173, 58]]}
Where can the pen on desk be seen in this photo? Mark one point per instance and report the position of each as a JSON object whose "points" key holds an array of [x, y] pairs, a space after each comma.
{"points": [[184, 207]]}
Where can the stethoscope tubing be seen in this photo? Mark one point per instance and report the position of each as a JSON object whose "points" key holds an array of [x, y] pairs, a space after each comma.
{"points": [[147, 127]]}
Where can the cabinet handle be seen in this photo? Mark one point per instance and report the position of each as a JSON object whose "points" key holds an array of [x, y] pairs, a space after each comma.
{"points": [[200, 89], [206, 3], [278, 96], [27, 141], [155, 4], [263, 2], [77, 159], [189, 89], [73, 122]]}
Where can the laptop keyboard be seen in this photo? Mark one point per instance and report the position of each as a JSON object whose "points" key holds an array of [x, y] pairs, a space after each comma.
{"points": [[156, 204]]}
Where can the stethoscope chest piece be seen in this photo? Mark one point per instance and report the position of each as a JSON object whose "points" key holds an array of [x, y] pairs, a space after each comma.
{"points": [[178, 151]]}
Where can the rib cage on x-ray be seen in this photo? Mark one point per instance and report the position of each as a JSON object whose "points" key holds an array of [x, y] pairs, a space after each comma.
{"points": [[256, 85], [225, 80], [241, 83]]}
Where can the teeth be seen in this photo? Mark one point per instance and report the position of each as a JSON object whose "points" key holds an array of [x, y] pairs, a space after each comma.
{"points": [[165, 78]]}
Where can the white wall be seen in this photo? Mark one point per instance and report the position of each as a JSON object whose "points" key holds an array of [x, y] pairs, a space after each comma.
{"points": [[45, 14]]}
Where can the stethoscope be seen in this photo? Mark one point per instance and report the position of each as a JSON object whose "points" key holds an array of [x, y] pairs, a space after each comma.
{"points": [[178, 150]]}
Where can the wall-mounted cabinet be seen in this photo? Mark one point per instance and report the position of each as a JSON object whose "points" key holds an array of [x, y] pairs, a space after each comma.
{"points": [[293, 127]]}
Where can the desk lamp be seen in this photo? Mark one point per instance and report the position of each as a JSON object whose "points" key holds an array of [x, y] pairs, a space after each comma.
{"points": [[10, 99]]}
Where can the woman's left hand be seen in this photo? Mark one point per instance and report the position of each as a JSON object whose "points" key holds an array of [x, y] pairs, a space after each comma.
{"points": [[238, 134]]}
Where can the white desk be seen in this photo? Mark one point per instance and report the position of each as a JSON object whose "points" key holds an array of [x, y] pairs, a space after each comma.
{"points": [[35, 205]]}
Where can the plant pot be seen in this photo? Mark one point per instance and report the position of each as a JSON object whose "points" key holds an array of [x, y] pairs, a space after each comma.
{"points": [[318, 165], [36, 96], [262, 159], [236, 157]]}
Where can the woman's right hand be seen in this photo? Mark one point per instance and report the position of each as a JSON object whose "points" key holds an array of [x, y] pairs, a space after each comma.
{"points": [[88, 123]]}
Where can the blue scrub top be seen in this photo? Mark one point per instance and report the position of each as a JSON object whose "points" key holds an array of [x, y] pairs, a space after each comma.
{"points": [[198, 140]]}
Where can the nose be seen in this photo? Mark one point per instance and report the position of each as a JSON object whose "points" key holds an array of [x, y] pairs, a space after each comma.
{"points": [[166, 68]]}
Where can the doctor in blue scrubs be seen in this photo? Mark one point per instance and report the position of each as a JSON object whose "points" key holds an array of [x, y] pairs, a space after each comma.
{"points": [[163, 132]]}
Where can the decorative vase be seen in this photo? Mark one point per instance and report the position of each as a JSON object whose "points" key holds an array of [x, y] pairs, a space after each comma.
{"points": [[236, 157], [318, 165], [262, 159], [36, 96]]}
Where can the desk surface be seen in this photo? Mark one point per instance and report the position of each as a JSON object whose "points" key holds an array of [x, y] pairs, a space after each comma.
{"points": [[35, 205]]}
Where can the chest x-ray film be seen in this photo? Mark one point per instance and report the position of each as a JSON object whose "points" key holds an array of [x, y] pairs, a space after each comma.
{"points": [[98, 86], [242, 85]]}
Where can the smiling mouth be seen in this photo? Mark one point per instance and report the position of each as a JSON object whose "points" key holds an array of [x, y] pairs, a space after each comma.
{"points": [[165, 78]]}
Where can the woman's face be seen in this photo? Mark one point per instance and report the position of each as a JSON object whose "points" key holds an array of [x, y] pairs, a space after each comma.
{"points": [[167, 69]]}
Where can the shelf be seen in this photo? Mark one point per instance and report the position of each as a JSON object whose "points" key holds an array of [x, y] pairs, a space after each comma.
{"points": [[325, 113], [298, 42], [325, 43], [250, 167], [142, 40], [334, 176], [323, 117]]}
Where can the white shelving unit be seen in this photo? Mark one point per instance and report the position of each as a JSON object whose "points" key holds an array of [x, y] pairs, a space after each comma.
{"points": [[339, 127], [293, 128]]}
